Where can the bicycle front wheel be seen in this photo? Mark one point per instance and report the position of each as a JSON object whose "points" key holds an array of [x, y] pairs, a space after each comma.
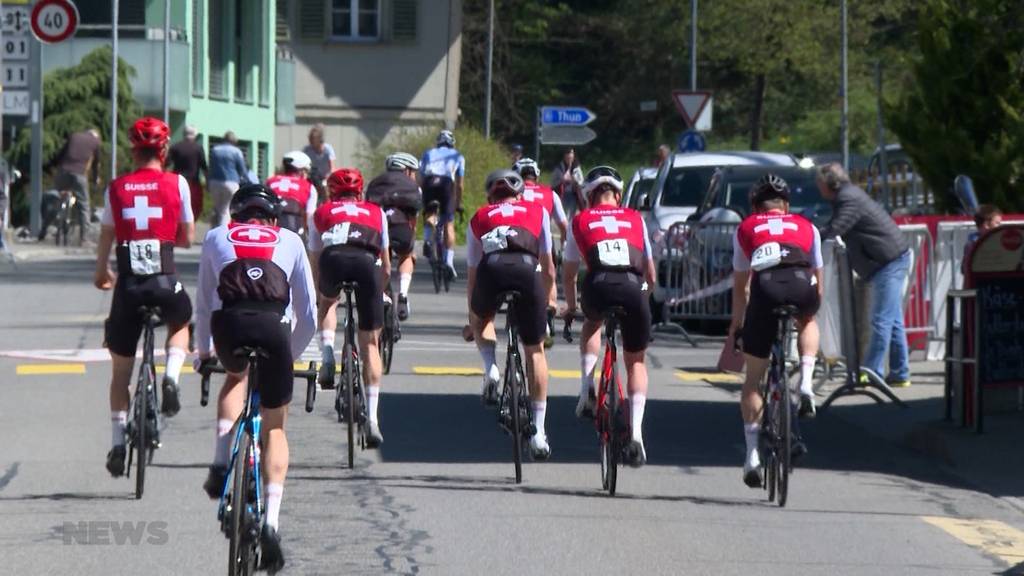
{"points": [[350, 400], [513, 379], [783, 458], [387, 337], [611, 448]]}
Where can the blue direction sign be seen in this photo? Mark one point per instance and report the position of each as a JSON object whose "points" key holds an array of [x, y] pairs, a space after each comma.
{"points": [[566, 116], [692, 141]]}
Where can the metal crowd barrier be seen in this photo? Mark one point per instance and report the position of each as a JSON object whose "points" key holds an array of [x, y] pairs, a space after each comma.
{"points": [[919, 297], [696, 272]]}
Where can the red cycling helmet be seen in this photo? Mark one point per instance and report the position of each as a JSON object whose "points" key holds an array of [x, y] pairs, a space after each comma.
{"points": [[149, 132], [345, 182]]}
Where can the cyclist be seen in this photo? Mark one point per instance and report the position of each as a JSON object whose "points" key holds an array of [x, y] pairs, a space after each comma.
{"points": [[397, 193], [295, 189], [349, 243], [614, 244], [543, 195], [442, 170], [778, 256], [255, 289], [507, 243], [148, 213]]}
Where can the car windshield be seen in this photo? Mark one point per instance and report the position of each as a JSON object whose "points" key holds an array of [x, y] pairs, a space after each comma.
{"points": [[643, 187], [805, 198], [686, 186]]}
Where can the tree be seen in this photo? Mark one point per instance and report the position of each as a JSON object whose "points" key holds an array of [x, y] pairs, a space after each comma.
{"points": [[964, 113], [78, 98]]}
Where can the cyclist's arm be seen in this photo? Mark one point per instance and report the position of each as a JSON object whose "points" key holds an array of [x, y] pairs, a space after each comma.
{"points": [[818, 263], [303, 302], [310, 210], [186, 234], [385, 250], [650, 274], [104, 277], [570, 268], [740, 283], [547, 264], [205, 297], [458, 192], [474, 252], [560, 218]]}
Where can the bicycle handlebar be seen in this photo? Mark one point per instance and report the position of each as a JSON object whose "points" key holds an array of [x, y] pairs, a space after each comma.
{"points": [[212, 366]]}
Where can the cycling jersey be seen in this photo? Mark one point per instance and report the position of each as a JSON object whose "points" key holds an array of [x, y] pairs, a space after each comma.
{"points": [[298, 196], [543, 195], [443, 161], [508, 227], [145, 208], [393, 189], [609, 238], [770, 239], [257, 266], [351, 223]]}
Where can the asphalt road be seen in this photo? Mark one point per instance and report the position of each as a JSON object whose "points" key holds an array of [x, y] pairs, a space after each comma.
{"points": [[438, 497]]}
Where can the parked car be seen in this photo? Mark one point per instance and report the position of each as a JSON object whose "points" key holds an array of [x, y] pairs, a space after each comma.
{"points": [[639, 185]]}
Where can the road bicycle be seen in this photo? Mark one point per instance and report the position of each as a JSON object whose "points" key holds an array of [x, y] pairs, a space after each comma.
{"points": [[777, 419], [514, 415], [67, 216], [350, 398], [143, 429], [434, 248], [391, 333]]}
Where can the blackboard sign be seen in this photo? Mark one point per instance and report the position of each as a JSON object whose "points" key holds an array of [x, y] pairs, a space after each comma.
{"points": [[1001, 330]]}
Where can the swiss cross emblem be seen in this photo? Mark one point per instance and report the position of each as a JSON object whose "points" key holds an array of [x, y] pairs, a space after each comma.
{"points": [[141, 212], [776, 227], [531, 195], [350, 209], [506, 210], [253, 236], [285, 185], [610, 224]]}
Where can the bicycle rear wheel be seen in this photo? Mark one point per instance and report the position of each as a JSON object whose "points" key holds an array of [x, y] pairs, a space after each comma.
{"points": [[350, 408], [611, 448], [387, 337], [513, 380], [785, 433], [141, 429], [241, 547]]}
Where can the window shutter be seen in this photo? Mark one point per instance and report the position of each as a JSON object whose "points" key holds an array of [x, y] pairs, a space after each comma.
{"points": [[403, 19], [283, 32], [311, 19]]}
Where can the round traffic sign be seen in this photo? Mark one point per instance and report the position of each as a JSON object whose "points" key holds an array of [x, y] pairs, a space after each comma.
{"points": [[54, 20]]}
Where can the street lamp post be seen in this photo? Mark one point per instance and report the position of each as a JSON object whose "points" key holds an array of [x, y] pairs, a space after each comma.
{"points": [[490, 64]]}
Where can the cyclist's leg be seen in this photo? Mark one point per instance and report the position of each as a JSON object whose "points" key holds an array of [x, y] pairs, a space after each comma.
{"points": [[759, 328], [275, 459], [370, 305], [531, 320], [483, 307], [807, 342], [121, 334], [176, 310], [448, 218], [328, 319], [590, 351]]}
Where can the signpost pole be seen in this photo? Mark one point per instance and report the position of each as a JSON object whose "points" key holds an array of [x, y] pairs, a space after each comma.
{"points": [[693, 44], [113, 91], [36, 119], [490, 63], [536, 138], [844, 124], [167, 61]]}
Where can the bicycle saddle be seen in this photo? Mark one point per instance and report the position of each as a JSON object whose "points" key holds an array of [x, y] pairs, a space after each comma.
{"points": [[248, 351], [616, 312], [785, 311], [510, 296]]}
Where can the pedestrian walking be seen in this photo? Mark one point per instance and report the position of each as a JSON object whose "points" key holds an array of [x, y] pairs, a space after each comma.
{"points": [[78, 165], [227, 169], [188, 158], [880, 254], [321, 157]]}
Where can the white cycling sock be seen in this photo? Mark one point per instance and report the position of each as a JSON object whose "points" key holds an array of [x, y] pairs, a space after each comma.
{"points": [[372, 398], [752, 433], [274, 494], [807, 375], [540, 410], [486, 349], [637, 403], [118, 422], [404, 281], [175, 360], [449, 257], [222, 445], [327, 338], [587, 364]]}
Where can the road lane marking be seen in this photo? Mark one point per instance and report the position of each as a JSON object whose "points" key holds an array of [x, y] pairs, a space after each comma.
{"points": [[719, 377], [471, 371], [993, 537], [46, 369], [67, 355]]}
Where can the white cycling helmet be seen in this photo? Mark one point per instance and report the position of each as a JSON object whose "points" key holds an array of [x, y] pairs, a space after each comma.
{"points": [[527, 165], [297, 160], [402, 161], [446, 138], [601, 175]]}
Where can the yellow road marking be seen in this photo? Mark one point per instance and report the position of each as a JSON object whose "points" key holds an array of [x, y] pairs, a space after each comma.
{"points": [[470, 371], [569, 374], [184, 370], [991, 536], [40, 369], [720, 377]]}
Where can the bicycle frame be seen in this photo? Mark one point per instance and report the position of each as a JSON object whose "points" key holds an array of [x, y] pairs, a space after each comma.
{"points": [[249, 422], [609, 374]]}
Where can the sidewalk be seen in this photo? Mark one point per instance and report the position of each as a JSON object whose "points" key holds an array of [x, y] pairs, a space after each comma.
{"points": [[992, 462]]}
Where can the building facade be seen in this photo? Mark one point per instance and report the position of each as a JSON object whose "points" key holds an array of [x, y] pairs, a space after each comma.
{"points": [[223, 65], [369, 69]]}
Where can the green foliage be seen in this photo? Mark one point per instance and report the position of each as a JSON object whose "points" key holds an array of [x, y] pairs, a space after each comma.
{"points": [[75, 99], [482, 156], [964, 114]]}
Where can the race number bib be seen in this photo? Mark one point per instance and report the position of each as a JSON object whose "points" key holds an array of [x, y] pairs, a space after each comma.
{"points": [[613, 252], [497, 239], [338, 234], [766, 256], [145, 257]]}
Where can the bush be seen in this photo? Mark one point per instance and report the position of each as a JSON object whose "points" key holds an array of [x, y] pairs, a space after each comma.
{"points": [[482, 156]]}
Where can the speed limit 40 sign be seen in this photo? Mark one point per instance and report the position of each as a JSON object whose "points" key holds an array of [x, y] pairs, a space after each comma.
{"points": [[54, 20]]}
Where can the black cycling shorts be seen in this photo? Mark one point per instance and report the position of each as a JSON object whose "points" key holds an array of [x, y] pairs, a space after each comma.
{"points": [[507, 272], [441, 190], [238, 326], [402, 238], [340, 264], [124, 326], [770, 289], [604, 290]]}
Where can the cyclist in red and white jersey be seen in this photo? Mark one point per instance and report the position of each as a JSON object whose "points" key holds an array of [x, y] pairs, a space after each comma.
{"points": [[777, 255], [349, 243], [296, 191], [613, 243], [148, 213]]}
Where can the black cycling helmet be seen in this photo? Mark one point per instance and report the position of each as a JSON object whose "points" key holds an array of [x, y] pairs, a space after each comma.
{"points": [[255, 200], [769, 187], [503, 183], [598, 176]]}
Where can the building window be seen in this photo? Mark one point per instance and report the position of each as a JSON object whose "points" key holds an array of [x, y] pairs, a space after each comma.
{"points": [[244, 46], [218, 25], [355, 19], [198, 52]]}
